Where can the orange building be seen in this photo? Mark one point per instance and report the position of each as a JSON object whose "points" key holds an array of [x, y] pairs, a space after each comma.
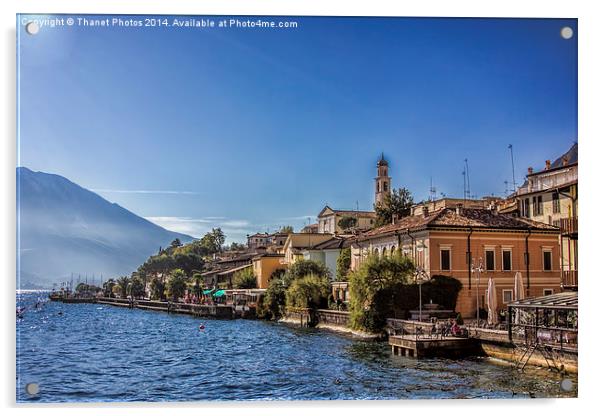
{"points": [[455, 241], [263, 267]]}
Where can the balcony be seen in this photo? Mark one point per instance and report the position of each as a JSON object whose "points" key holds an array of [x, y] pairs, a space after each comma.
{"points": [[569, 280], [551, 180], [568, 226]]}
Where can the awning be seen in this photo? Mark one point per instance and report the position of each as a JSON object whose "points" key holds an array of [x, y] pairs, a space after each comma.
{"points": [[207, 292], [219, 293]]}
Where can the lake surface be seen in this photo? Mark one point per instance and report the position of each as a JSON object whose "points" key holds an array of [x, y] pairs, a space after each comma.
{"points": [[99, 353]]}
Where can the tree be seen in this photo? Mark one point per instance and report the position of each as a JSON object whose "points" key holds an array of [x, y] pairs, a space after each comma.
{"points": [[136, 287], [398, 203], [347, 222], [188, 262], [237, 247], [197, 284], [176, 284], [308, 292], [287, 229], [372, 288], [245, 279], [157, 288], [343, 264], [123, 283], [176, 243], [275, 298], [302, 268], [108, 288], [213, 240]]}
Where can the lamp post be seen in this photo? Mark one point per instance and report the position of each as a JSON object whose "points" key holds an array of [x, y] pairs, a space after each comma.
{"points": [[421, 276], [478, 271]]}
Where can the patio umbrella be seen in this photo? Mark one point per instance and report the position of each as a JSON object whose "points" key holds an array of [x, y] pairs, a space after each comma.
{"points": [[519, 293], [491, 303]]}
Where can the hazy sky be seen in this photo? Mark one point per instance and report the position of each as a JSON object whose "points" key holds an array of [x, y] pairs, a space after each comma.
{"points": [[251, 129]]}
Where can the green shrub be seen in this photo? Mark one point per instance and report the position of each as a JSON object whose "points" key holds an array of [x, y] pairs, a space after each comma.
{"points": [[244, 279], [372, 289], [343, 264], [308, 292]]}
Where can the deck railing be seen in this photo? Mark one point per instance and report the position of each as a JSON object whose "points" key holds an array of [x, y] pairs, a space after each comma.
{"points": [[570, 279], [568, 225]]}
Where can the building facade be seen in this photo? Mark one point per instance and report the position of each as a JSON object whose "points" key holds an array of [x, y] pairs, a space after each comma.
{"points": [[263, 267], [328, 220], [454, 242], [550, 196], [328, 252]]}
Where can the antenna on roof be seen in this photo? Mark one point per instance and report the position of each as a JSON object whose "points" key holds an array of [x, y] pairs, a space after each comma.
{"points": [[432, 191], [464, 178], [467, 178], [512, 159]]}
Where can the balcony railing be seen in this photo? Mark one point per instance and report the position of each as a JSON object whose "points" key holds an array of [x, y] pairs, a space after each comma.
{"points": [[548, 181], [569, 279], [568, 225]]}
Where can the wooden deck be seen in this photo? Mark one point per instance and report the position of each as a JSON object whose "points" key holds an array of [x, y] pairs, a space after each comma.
{"points": [[419, 347]]}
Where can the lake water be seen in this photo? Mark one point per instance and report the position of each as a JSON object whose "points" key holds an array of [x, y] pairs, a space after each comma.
{"points": [[99, 353]]}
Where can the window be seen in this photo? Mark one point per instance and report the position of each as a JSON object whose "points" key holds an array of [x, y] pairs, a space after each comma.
{"points": [[537, 206], [506, 260], [445, 259], [377, 186], [547, 292], [547, 260], [489, 260], [385, 187], [555, 203], [507, 294], [526, 208]]}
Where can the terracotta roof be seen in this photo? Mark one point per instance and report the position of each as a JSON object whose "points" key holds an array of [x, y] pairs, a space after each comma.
{"points": [[468, 218], [333, 243], [571, 157]]}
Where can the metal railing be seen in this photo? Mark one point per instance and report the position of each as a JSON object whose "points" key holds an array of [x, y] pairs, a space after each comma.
{"points": [[569, 225], [570, 278]]}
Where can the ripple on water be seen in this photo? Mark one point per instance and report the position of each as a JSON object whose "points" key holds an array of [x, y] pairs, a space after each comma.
{"points": [[118, 354]]}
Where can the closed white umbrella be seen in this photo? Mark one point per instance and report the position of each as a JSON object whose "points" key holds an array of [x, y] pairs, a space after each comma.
{"points": [[492, 317], [519, 293]]}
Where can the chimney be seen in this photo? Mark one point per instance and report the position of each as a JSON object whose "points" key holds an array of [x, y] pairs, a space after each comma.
{"points": [[530, 170], [565, 161], [548, 165], [395, 219], [459, 209], [425, 210]]}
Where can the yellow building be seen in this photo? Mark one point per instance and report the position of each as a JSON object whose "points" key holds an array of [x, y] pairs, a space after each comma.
{"points": [[296, 243], [264, 265], [328, 220], [550, 196]]}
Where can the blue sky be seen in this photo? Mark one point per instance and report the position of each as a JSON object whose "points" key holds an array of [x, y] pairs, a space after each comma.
{"points": [[251, 129]]}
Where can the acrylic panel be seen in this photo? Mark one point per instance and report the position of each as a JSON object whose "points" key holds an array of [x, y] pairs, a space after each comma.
{"points": [[222, 208]]}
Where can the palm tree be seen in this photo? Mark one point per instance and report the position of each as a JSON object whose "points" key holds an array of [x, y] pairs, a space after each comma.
{"points": [[123, 283]]}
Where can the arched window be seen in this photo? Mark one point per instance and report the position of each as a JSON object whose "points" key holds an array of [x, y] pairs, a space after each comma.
{"points": [[385, 252], [376, 252], [393, 250]]}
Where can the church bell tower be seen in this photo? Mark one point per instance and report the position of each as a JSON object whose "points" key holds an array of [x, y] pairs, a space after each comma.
{"points": [[383, 181]]}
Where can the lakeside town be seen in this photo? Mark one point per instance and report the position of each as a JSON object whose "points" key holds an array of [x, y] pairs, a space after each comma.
{"points": [[442, 277]]}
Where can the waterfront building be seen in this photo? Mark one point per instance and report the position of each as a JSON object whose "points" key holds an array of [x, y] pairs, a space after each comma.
{"points": [[264, 265], [311, 228], [296, 243], [328, 220], [455, 241], [257, 240], [550, 196], [327, 252]]}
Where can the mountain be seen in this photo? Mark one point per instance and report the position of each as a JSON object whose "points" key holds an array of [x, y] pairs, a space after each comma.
{"points": [[64, 229]]}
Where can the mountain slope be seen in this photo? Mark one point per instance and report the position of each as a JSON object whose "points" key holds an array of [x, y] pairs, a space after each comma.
{"points": [[64, 228]]}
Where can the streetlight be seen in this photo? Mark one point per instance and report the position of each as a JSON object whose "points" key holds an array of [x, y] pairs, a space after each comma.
{"points": [[478, 270], [421, 276]]}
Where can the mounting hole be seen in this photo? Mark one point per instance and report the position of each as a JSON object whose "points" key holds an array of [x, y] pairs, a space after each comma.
{"points": [[566, 385], [32, 28], [32, 389], [566, 32]]}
